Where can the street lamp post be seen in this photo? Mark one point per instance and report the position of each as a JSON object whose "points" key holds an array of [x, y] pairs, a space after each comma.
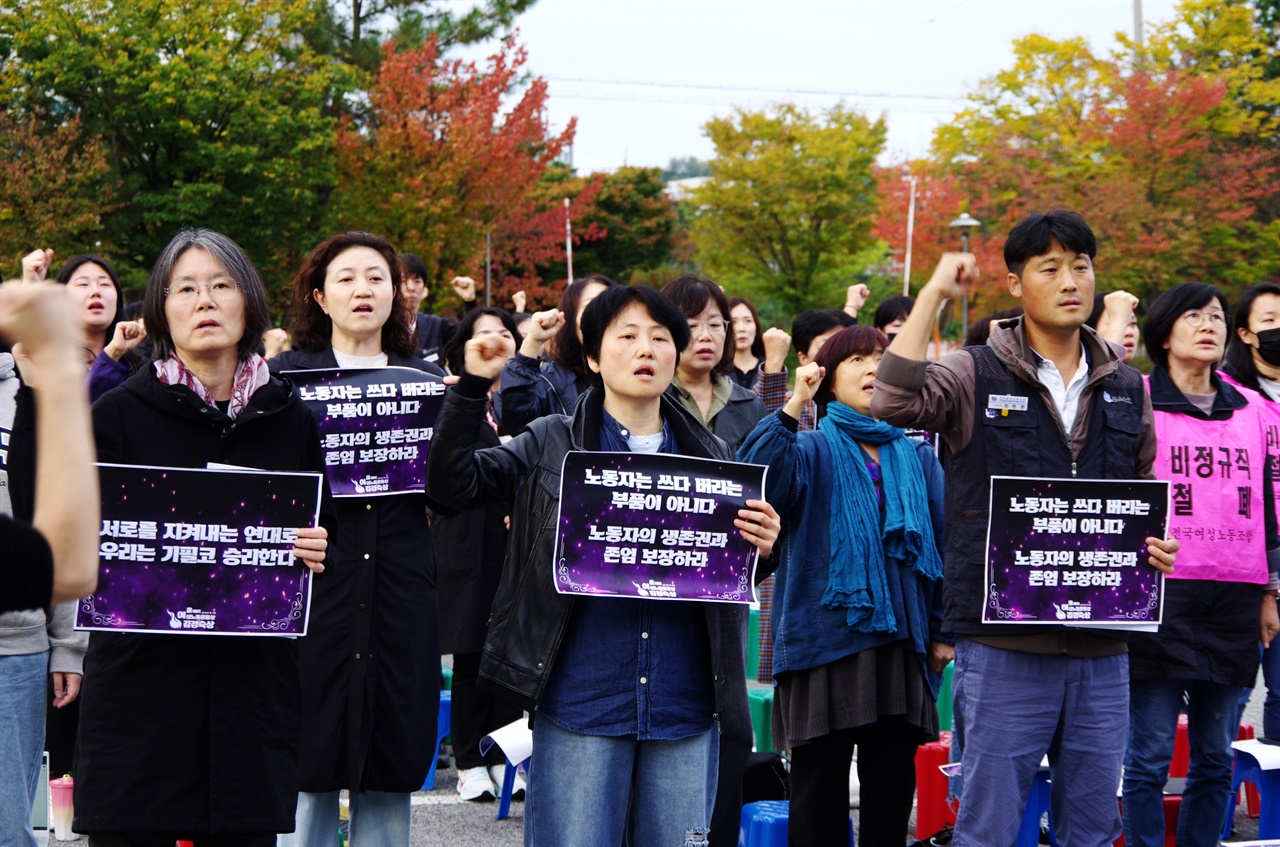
{"points": [[965, 223]]}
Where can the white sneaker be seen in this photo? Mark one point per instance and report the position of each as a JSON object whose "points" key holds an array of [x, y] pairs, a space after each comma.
{"points": [[474, 784], [499, 772]]}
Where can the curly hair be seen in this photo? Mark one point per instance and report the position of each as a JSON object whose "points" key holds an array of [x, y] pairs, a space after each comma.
{"points": [[312, 329]]}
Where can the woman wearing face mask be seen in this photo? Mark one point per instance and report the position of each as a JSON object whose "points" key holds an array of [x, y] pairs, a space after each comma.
{"points": [[1253, 361], [549, 370], [858, 590], [702, 384], [748, 343], [470, 548], [1220, 602], [371, 664]]}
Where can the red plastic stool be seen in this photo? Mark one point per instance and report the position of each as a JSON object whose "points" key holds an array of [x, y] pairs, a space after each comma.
{"points": [[1172, 805], [933, 813]]}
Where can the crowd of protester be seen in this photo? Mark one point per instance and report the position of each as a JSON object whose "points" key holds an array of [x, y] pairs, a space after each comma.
{"points": [[871, 540]]}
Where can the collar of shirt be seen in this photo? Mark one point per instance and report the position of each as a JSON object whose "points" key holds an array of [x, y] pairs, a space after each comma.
{"points": [[1066, 396]]}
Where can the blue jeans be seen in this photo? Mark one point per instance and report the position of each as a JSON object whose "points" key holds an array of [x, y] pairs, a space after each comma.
{"points": [[588, 789], [378, 819], [1153, 724], [1015, 708], [22, 682]]}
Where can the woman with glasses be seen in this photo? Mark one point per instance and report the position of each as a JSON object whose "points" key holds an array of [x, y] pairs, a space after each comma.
{"points": [[196, 736], [1220, 601], [371, 664], [702, 384]]}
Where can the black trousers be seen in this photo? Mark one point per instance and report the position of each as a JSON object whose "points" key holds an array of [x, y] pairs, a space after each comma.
{"points": [[167, 839], [819, 815], [475, 714]]}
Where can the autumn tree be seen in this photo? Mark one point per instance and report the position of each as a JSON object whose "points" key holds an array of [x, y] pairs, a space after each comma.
{"points": [[55, 189], [445, 160], [787, 211], [210, 113]]}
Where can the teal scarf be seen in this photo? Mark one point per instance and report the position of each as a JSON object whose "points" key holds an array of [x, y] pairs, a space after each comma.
{"points": [[857, 578]]}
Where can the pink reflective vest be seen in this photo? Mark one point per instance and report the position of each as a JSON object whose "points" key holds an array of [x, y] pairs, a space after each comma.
{"points": [[1272, 419], [1215, 469]]}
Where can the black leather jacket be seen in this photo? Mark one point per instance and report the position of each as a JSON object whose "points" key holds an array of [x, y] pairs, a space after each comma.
{"points": [[529, 618]]}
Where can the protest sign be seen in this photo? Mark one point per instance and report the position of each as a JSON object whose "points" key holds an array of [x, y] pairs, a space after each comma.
{"points": [[1072, 551], [655, 525], [375, 426], [205, 552]]}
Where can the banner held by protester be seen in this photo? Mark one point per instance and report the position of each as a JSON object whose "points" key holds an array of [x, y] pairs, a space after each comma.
{"points": [[656, 526], [1073, 551], [375, 426], [203, 552]]}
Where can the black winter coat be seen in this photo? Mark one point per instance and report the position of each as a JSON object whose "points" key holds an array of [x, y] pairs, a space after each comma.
{"points": [[195, 733], [371, 675], [470, 547], [529, 618]]}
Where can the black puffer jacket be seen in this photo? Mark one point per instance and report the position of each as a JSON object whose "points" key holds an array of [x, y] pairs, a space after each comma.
{"points": [[529, 617]]}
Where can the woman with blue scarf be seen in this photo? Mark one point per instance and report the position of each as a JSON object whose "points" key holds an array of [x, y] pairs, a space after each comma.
{"points": [[858, 650]]}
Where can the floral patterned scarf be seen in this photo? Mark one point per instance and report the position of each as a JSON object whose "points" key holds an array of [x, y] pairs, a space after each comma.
{"points": [[251, 374]]}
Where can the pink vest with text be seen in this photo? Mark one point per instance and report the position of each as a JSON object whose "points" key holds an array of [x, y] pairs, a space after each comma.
{"points": [[1215, 471], [1272, 419]]}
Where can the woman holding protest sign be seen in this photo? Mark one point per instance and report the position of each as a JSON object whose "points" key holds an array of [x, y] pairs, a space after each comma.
{"points": [[196, 736], [549, 371], [470, 547], [647, 747], [858, 649], [1221, 600], [371, 665]]}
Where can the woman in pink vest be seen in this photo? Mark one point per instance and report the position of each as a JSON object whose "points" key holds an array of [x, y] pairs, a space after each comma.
{"points": [[1220, 601], [1253, 360]]}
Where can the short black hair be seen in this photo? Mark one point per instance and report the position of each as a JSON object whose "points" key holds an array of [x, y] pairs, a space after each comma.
{"points": [[454, 349], [69, 270], [1032, 235], [809, 325], [979, 332], [1240, 355], [892, 308], [691, 294], [603, 310], [1170, 306], [413, 266]]}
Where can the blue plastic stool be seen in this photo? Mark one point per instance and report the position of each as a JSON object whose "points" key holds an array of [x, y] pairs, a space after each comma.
{"points": [[1037, 807], [1247, 769], [442, 729], [508, 787], [764, 824]]}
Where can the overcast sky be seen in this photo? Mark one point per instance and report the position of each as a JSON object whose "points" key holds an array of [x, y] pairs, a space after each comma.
{"points": [[643, 76]]}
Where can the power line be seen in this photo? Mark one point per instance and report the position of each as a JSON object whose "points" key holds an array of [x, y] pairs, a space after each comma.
{"points": [[754, 89]]}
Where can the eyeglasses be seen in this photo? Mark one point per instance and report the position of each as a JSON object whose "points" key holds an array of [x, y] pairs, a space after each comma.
{"points": [[715, 327], [1195, 318], [187, 292]]}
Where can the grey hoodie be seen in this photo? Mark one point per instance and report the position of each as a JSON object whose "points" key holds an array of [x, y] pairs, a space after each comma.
{"points": [[33, 630]]}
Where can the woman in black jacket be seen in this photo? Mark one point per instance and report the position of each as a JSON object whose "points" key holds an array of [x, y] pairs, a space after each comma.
{"points": [[573, 659], [470, 547], [196, 737], [371, 665]]}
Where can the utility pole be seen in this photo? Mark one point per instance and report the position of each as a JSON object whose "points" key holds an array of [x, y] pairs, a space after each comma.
{"points": [[1137, 23]]}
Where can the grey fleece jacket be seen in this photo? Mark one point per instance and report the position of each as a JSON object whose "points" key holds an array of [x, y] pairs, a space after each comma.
{"points": [[33, 630]]}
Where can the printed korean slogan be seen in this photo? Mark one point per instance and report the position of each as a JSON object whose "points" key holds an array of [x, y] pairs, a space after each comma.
{"points": [[375, 426], [201, 552], [656, 526], [1072, 551]]}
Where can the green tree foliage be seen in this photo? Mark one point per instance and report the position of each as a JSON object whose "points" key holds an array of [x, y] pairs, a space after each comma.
{"points": [[786, 216], [211, 113], [636, 219], [55, 188]]}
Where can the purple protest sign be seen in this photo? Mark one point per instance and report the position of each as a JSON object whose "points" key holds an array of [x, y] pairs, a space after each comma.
{"points": [[655, 525], [201, 552], [1073, 551], [375, 426]]}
